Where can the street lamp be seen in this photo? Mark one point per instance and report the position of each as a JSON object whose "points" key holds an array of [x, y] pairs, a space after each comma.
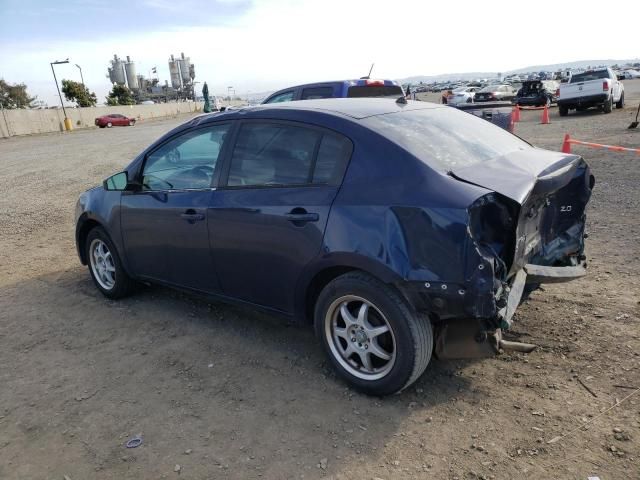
{"points": [[67, 122], [81, 77]]}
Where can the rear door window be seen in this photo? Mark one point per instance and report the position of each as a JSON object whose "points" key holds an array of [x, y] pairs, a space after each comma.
{"points": [[333, 156], [312, 93], [274, 154], [586, 76]]}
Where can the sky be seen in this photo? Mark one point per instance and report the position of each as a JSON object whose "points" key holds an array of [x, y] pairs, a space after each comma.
{"points": [[258, 46]]}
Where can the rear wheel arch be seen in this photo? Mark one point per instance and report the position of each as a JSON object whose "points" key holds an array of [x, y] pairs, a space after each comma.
{"points": [[323, 276]]}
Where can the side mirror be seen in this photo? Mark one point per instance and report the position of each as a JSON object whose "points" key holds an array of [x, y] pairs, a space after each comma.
{"points": [[117, 182]]}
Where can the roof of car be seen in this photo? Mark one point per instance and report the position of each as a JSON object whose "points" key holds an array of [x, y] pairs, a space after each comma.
{"points": [[356, 108], [351, 81]]}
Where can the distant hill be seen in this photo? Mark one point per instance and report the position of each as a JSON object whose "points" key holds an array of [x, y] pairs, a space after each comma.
{"points": [[577, 64], [534, 68]]}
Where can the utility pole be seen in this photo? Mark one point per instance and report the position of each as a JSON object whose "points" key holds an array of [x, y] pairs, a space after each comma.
{"points": [[81, 77], [67, 122]]}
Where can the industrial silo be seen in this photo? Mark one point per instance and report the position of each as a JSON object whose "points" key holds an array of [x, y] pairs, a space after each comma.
{"points": [[174, 73], [130, 70], [116, 74], [185, 64]]}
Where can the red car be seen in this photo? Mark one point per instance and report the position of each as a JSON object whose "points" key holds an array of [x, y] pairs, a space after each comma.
{"points": [[115, 119]]}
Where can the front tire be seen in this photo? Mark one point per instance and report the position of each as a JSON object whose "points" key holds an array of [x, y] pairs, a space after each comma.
{"points": [[371, 336], [132, 123], [105, 265], [620, 103], [563, 110], [109, 125]]}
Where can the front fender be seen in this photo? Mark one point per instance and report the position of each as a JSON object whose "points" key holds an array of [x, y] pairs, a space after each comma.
{"points": [[99, 207]]}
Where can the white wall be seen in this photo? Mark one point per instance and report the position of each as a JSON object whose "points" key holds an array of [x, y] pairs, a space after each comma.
{"points": [[27, 122]]}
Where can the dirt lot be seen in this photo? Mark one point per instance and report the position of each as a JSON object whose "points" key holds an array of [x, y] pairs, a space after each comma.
{"points": [[228, 393]]}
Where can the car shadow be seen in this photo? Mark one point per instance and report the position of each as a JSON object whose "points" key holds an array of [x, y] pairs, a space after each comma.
{"points": [[221, 379]]}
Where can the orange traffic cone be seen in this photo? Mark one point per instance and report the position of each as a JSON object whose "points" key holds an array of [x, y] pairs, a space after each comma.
{"points": [[515, 115], [566, 145], [545, 116]]}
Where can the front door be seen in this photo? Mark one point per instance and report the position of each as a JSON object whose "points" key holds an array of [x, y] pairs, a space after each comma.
{"points": [[268, 220], [164, 225]]}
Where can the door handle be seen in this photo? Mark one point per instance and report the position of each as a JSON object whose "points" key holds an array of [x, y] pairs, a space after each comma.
{"points": [[302, 217], [192, 216]]}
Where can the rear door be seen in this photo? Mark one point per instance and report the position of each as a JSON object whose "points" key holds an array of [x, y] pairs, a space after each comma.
{"points": [[164, 225], [267, 219]]}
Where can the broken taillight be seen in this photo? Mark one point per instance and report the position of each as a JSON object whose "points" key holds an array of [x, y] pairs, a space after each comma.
{"points": [[493, 222]]}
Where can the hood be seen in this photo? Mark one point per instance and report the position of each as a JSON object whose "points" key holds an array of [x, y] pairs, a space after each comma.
{"points": [[516, 174]]}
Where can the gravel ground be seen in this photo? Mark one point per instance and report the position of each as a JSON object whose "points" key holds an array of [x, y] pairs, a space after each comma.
{"points": [[222, 392]]}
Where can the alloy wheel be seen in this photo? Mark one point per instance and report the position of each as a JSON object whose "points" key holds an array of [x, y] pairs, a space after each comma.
{"points": [[360, 337], [102, 265]]}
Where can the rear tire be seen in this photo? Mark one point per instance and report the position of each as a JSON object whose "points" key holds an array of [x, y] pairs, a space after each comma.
{"points": [[105, 265], [563, 110], [370, 335], [620, 103], [608, 105]]}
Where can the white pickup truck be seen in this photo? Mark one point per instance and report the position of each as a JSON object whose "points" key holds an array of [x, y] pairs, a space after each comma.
{"points": [[592, 88]]}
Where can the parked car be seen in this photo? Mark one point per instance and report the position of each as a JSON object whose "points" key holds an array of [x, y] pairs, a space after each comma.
{"points": [[115, 119], [389, 225], [462, 95], [492, 93], [593, 88], [498, 113], [537, 93], [363, 87]]}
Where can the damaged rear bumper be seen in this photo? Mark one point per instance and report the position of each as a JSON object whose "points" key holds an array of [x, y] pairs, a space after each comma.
{"points": [[473, 338], [542, 274], [535, 274]]}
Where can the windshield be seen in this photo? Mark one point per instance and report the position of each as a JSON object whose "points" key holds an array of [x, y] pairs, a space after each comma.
{"points": [[490, 88], [586, 76], [446, 138]]}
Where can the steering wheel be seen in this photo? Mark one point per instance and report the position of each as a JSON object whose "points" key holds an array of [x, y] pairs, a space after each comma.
{"points": [[173, 156], [206, 169], [169, 184]]}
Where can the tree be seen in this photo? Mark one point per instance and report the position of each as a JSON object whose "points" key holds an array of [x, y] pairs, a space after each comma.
{"points": [[14, 96], [77, 92], [120, 95]]}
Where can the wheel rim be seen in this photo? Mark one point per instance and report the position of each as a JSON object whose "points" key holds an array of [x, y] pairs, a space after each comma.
{"points": [[102, 265], [360, 337]]}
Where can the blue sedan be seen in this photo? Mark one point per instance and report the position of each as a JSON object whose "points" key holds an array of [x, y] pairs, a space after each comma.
{"points": [[395, 228]]}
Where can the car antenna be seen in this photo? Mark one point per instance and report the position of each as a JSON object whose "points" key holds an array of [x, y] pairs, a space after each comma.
{"points": [[369, 75]]}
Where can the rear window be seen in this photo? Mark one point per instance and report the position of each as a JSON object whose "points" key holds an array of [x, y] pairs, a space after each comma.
{"points": [[446, 138], [375, 91], [586, 76], [312, 93], [490, 88]]}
